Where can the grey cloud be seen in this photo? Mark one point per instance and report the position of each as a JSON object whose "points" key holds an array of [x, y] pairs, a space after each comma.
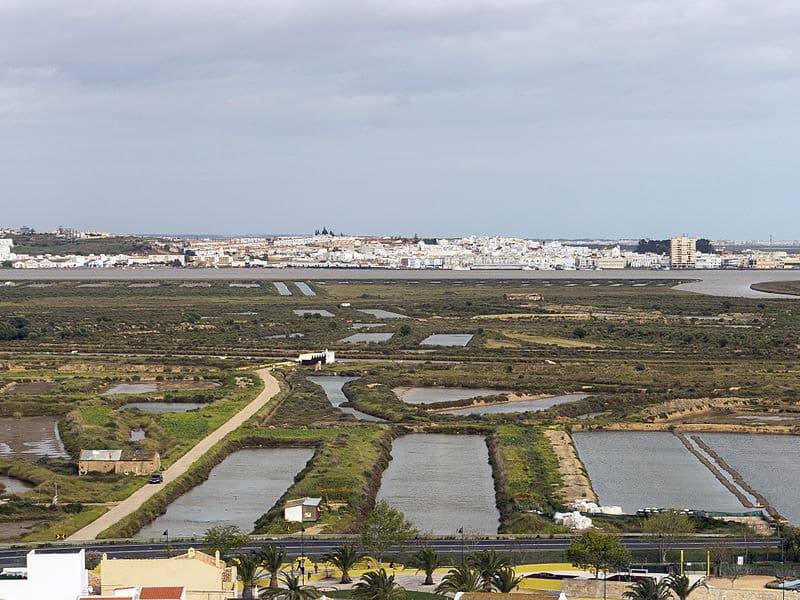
{"points": [[430, 104]]}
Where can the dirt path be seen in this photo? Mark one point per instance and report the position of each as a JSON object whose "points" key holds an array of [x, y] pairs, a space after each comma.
{"points": [[135, 500], [575, 483]]}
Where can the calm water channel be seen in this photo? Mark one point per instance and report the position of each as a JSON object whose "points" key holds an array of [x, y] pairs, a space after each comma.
{"points": [[516, 407], [367, 337], [239, 490], [430, 395], [636, 470], [333, 384], [447, 339], [379, 313], [283, 289], [305, 289], [31, 438], [132, 388], [14, 485], [769, 463], [442, 483]]}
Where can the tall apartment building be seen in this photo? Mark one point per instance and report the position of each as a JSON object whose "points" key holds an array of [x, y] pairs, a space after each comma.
{"points": [[683, 252]]}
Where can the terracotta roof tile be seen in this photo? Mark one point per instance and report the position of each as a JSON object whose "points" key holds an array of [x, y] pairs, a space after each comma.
{"points": [[161, 593]]}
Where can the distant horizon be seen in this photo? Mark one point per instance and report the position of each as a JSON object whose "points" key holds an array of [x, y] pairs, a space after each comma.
{"points": [[589, 239]]}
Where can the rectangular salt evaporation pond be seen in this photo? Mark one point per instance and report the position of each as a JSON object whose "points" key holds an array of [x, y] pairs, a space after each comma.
{"points": [[769, 463], [302, 312], [30, 438], [382, 314], [431, 395], [305, 289], [367, 337], [332, 385], [636, 470], [442, 483], [131, 388], [239, 490], [447, 339], [517, 407], [283, 289]]}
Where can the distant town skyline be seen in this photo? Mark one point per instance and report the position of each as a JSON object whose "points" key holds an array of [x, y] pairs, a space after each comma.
{"points": [[570, 119], [5, 227]]}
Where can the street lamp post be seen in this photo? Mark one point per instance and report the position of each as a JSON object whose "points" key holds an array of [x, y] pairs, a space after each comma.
{"points": [[783, 561], [302, 556], [461, 531]]}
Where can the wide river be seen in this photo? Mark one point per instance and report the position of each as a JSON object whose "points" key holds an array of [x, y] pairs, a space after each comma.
{"points": [[442, 483], [239, 490], [714, 283]]}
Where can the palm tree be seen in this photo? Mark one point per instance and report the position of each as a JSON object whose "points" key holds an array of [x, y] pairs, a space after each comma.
{"points": [[272, 559], [344, 558], [460, 579], [426, 560], [378, 585], [647, 589], [487, 563], [680, 586], [294, 590], [249, 570], [506, 581]]}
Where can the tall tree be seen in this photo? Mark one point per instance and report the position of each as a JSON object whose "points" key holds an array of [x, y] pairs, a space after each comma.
{"points": [[647, 589], [225, 538], [378, 585], [679, 585], [385, 527], [249, 570], [488, 563], [344, 558], [791, 541], [293, 589], [668, 526], [598, 552], [426, 560], [272, 558]]}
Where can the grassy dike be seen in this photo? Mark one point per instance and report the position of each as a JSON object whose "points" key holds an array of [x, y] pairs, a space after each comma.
{"points": [[526, 478]]}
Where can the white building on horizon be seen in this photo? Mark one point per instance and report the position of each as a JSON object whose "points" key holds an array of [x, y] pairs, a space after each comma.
{"points": [[5, 248]]}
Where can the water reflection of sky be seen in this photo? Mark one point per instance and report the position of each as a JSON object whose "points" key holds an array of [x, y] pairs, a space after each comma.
{"points": [[636, 470]]}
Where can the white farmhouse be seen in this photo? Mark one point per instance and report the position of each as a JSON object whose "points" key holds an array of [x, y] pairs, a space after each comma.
{"points": [[302, 510]]}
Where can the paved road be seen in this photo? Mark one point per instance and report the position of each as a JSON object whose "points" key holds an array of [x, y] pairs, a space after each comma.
{"points": [[180, 466], [714, 283], [318, 547]]}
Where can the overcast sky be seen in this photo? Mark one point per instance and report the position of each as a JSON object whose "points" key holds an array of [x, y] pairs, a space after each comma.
{"points": [[601, 118]]}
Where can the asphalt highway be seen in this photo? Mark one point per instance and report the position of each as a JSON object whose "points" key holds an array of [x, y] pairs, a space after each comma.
{"points": [[15, 556]]}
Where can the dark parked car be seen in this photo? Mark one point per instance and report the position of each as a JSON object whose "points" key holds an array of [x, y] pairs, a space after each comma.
{"points": [[156, 478]]}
